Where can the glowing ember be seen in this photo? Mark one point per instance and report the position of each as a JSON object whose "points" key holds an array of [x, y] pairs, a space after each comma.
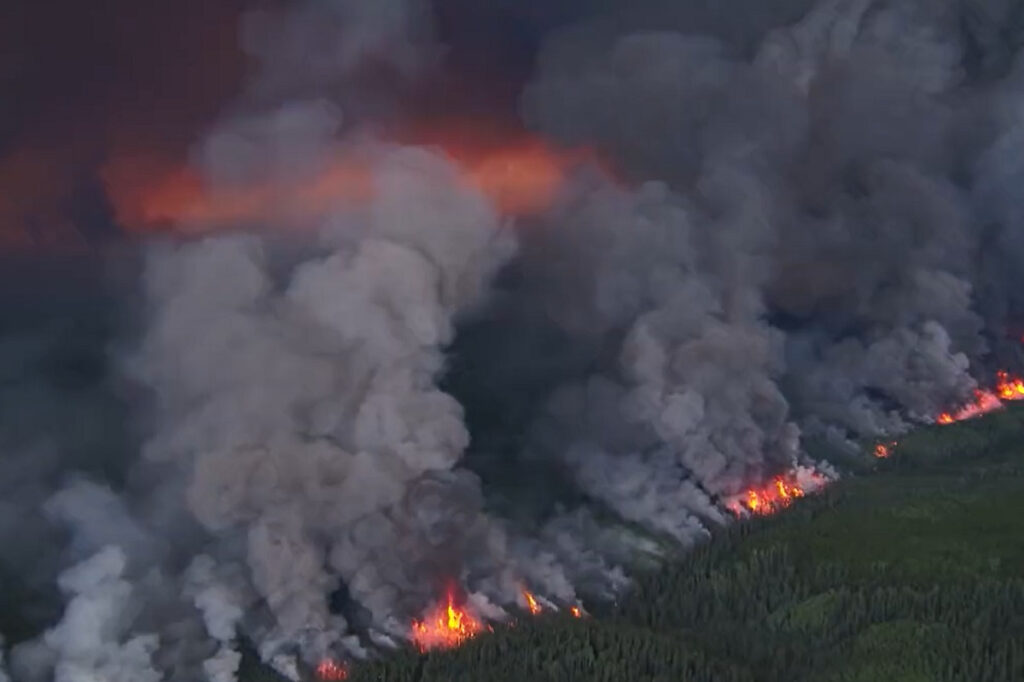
{"points": [[519, 180], [531, 603], [884, 450], [448, 626], [776, 495], [520, 175], [576, 611], [330, 670]]}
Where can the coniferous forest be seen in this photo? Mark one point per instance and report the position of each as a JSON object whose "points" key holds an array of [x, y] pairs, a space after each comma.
{"points": [[909, 569]]}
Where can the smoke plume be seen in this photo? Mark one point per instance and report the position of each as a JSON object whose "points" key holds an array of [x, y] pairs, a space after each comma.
{"points": [[350, 380]]}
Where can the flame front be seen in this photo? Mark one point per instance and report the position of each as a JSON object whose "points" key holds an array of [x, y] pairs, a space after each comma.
{"points": [[1007, 388], [774, 496], [447, 627], [983, 403], [769, 498], [331, 670], [531, 603]]}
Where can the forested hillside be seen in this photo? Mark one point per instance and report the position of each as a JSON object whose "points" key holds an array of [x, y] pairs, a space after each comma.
{"points": [[910, 570]]}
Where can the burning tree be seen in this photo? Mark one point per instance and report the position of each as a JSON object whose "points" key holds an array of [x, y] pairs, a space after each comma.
{"points": [[446, 626]]}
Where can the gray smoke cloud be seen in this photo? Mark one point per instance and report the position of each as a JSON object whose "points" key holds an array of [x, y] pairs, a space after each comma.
{"points": [[821, 170], [341, 407], [304, 408], [357, 54], [690, 391], [221, 599], [294, 397]]}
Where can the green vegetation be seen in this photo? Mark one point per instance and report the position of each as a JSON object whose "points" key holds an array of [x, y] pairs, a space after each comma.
{"points": [[910, 571]]}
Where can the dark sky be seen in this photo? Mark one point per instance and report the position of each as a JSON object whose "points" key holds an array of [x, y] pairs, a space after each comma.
{"points": [[83, 82], [116, 66]]}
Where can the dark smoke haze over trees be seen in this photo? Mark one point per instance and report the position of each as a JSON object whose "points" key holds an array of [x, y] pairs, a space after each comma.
{"points": [[299, 429]]}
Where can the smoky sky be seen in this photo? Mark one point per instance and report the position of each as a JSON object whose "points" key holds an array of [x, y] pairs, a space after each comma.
{"points": [[797, 221], [82, 83]]}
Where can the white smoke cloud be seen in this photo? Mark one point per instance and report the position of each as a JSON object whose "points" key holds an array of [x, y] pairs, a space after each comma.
{"points": [[220, 596], [93, 640]]}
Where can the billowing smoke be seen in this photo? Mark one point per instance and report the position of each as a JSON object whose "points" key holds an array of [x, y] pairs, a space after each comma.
{"points": [[796, 220], [92, 641], [819, 169], [302, 406]]}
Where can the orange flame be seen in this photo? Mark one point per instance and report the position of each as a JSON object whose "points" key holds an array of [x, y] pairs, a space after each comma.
{"points": [[331, 670], [576, 611], [531, 603], [771, 497], [983, 403], [447, 627], [884, 450], [1009, 388]]}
